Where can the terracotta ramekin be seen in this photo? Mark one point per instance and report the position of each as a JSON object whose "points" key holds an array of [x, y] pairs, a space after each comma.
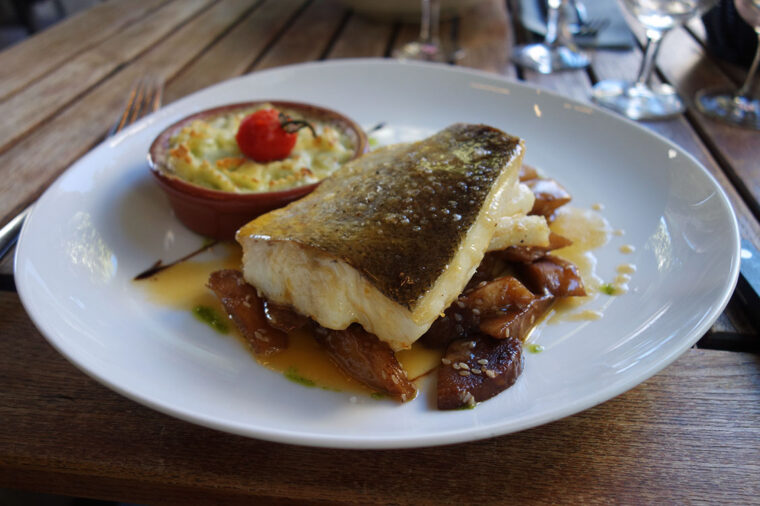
{"points": [[219, 214]]}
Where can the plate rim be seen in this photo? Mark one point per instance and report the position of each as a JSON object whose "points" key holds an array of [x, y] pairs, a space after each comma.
{"points": [[55, 336]]}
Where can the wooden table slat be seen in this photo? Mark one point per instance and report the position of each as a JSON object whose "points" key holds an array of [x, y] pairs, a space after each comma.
{"points": [[308, 36], [75, 76], [237, 51], [484, 32], [56, 45], [689, 434], [672, 431], [34, 161], [362, 37]]}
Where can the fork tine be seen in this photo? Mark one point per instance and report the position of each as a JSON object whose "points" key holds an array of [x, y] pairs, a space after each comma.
{"points": [[144, 98]]}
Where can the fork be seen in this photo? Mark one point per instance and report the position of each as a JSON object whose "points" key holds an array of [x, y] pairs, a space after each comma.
{"points": [[144, 97]]}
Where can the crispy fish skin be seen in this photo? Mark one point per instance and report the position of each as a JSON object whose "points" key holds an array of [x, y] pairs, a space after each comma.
{"points": [[412, 220]]}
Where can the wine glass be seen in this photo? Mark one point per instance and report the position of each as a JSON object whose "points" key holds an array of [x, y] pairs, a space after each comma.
{"points": [[740, 107], [640, 99], [557, 51], [428, 46]]}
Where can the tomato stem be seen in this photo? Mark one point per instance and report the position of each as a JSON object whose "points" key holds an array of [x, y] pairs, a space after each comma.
{"points": [[293, 125]]}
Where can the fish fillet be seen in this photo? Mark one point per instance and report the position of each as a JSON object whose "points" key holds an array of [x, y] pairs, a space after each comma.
{"points": [[391, 239]]}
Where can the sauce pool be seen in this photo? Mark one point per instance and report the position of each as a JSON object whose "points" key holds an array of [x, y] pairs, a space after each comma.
{"points": [[183, 287]]}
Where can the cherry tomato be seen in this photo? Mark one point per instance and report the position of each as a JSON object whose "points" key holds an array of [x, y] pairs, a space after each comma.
{"points": [[261, 136]]}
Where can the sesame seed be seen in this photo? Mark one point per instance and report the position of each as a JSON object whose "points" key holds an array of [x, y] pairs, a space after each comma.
{"points": [[462, 365], [456, 366], [482, 284], [445, 361], [476, 312], [464, 373], [471, 344], [458, 317], [490, 373], [460, 304], [475, 370], [483, 361], [467, 399]]}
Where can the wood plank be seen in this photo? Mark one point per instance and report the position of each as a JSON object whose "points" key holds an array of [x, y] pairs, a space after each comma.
{"points": [[6, 264], [735, 72], [690, 434], [45, 97], [308, 37], [486, 32], [46, 152], [362, 37], [65, 40], [405, 33], [237, 51]]}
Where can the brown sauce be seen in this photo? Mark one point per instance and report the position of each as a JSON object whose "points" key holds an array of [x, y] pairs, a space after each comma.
{"points": [[183, 286]]}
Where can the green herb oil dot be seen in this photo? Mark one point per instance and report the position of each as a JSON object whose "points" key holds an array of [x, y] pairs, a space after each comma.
{"points": [[211, 318], [292, 375]]}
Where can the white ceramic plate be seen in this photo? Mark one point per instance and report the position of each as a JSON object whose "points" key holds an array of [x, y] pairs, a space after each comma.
{"points": [[105, 220]]}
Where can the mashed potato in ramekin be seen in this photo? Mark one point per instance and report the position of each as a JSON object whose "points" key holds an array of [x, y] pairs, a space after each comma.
{"points": [[204, 152]]}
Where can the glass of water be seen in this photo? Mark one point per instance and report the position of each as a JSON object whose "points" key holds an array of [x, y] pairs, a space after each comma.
{"points": [[742, 107], [640, 99], [557, 51]]}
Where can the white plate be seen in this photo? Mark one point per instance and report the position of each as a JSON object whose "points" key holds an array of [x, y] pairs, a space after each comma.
{"points": [[105, 220]]}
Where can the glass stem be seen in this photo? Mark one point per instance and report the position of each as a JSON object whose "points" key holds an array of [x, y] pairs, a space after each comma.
{"points": [[552, 21], [654, 38], [431, 12], [744, 91]]}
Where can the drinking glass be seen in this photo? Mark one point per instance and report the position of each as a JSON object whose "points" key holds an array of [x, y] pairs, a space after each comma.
{"points": [[557, 51], [428, 46], [741, 107], [640, 99]]}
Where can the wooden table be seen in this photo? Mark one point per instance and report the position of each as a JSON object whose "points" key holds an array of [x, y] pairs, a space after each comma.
{"points": [[691, 433]]}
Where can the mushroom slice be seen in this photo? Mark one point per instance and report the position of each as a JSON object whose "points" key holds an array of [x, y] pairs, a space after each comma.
{"points": [[553, 275], [284, 318], [246, 309], [550, 195], [498, 295], [368, 360], [528, 254], [475, 370], [489, 298], [516, 321]]}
